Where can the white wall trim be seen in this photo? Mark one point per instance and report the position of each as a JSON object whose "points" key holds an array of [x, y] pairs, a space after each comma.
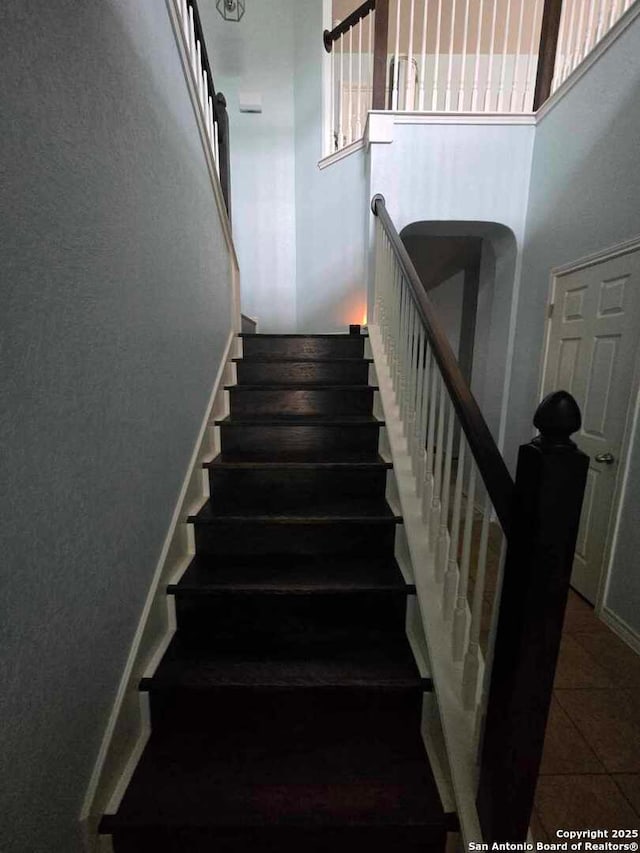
{"points": [[621, 628], [593, 258], [105, 787], [458, 724], [330, 159], [174, 17], [590, 60], [463, 118]]}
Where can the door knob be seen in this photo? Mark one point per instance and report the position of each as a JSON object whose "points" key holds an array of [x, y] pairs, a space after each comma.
{"points": [[607, 458]]}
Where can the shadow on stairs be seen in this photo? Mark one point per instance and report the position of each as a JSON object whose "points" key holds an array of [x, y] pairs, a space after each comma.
{"points": [[286, 711]]}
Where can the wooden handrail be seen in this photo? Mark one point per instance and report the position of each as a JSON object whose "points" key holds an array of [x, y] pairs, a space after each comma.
{"points": [[329, 36], [491, 465], [548, 50]]}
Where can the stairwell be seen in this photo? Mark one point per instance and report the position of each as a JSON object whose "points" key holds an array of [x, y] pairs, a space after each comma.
{"points": [[286, 712]]}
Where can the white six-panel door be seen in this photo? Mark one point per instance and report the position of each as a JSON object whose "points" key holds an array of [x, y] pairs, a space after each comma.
{"points": [[592, 344]]}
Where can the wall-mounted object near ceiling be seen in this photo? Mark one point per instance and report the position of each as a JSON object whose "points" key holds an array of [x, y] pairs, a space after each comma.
{"points": [[250, 102], [231, 10]]}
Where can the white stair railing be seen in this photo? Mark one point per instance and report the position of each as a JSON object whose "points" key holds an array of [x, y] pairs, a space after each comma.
{"points": [[460, 507], [583, 23]]}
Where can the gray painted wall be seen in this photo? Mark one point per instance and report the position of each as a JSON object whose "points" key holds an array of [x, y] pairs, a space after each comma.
{"points": [[256, 55], [331, 204], [470, 177], [585, 188], [115, 312]]}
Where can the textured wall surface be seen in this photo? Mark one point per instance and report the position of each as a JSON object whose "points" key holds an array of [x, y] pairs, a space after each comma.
{"points": [[115, 311], [585, 187], [256, 55]]}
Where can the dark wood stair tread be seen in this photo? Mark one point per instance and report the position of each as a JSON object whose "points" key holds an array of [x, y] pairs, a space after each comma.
{"points": [[301, 386], [331, 335], [289, 574], [283, 460], [277, 777], [287, 359], [385, 666], [301, 420], [330, 511]]}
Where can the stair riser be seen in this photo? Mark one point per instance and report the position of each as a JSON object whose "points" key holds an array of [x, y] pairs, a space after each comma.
{"points": [[302, 373], [293, 488], [300, 402], [380, 839], [251, 621], [203, 710], [232, 538], [262, 441], [331, 347]]}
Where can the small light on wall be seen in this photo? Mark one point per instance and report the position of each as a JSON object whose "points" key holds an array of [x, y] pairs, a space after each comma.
{"points": [[231, 10]]}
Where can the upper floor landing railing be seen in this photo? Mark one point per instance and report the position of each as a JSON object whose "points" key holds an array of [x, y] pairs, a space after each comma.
{"points": [[212, 104], [497, 56]]}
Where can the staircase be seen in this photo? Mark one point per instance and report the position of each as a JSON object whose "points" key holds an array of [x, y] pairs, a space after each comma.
{"points": [[286, 711]]}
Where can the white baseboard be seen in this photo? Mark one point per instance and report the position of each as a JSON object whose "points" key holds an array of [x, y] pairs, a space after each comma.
{"points": [[630, 636], [128, 726]]}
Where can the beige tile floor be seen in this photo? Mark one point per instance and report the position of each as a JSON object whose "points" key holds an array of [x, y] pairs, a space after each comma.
{"points": [[590, 772]]}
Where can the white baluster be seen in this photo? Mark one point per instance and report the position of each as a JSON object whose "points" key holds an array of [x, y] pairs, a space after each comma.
{"points": [[411, 378], [527, 104], [615, 11], [424, 416], [417, 448], [460, 613], [428, 478], [503, 67], [409, 90], [463, 67], [451, 574], [472, 657], [350, 101], [442, 555], [436, 68], [396, 58], [372, 18], [582, 35], [492, 51], [359, 107], [561, 50], [402, 374], [423, 55], [591, 26], [602, 18], [210, 118], [192, 39], [476, 69], [447, 97], [514, 85], [333, 130], [571, 38], [436, 504], [341, 98], [184, 16]]}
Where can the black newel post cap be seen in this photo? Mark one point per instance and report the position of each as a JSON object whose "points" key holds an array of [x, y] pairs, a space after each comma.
{"points": [[556, 418]]}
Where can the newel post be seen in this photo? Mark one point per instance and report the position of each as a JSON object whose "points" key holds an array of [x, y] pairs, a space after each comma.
{"points": [[549, 488], [548, 51], [380, 40], [224, 150]]}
